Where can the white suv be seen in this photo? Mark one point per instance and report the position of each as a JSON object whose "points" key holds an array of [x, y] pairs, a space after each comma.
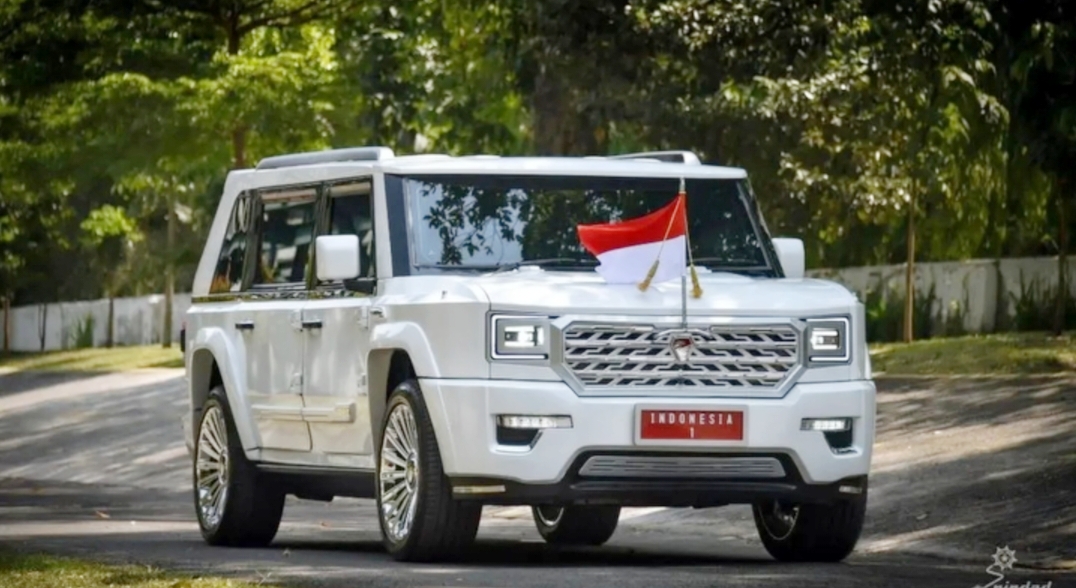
{"points": [[429, 331]]}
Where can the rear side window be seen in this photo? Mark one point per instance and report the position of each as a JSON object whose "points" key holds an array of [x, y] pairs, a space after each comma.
{"points": [[350, 214], [228, 276], [285, 238]]}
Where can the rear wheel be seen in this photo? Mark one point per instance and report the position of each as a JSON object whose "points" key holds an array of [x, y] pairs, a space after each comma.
{"points": [[420, 520], [576, 525], [810, 532], [236, 506]]}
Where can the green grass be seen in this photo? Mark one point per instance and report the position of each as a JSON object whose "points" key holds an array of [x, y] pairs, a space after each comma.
{"points": [[94, 359], [41, 571], [1002, 354]]}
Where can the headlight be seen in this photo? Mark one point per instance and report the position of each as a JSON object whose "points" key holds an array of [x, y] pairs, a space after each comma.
{"points": [[519, 337], [827, 340]]}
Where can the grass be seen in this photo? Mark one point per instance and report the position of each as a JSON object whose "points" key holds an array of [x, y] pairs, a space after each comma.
{"points": [[19, 570], [94, 359], [1001, 354]]}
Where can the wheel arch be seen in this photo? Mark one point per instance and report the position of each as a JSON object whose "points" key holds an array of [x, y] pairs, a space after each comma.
{"points": [[387, 369], [214, 362]]}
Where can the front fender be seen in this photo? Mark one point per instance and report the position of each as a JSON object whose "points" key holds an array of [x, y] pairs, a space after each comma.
{"points": [[210, 345], [409, 337]]}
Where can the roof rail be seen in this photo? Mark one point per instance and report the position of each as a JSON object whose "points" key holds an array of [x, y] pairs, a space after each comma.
{"points": [[326, 156], [687, 157]]}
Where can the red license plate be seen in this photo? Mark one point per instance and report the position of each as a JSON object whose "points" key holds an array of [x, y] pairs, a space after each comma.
{"points": [[725, 425]]}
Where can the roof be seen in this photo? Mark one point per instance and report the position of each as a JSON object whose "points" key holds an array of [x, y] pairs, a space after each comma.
{"points": [[335, 164]]}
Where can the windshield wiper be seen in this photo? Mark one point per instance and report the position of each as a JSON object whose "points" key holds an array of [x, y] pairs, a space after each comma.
{"points": [[738, 264], [581, 262]]}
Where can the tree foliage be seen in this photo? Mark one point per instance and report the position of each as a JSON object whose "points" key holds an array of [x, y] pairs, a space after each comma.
{"points": [[118, 115]]}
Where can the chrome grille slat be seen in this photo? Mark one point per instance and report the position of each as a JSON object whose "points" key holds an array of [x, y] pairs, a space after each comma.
{"points": [[760, 357], [632, 466]]}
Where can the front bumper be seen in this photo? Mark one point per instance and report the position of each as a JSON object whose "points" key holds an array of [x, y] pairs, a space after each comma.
{"points": [[464, 417]]}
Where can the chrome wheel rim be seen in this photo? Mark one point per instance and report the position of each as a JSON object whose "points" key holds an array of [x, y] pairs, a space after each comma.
{"points": [[779, 518], [399, 473], [211, 467], [549, 515]]}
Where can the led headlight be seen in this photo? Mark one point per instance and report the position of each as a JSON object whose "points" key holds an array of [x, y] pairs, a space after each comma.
{"points": [[827, 340], [519, 337]]}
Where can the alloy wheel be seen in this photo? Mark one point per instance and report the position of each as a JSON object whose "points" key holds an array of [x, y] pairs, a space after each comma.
{"points": [[211, 467], [400, 473]]}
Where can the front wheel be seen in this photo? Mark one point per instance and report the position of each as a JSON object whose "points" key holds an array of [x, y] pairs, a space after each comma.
{"points": [[420, 520], [576, 525], [810, 532]]}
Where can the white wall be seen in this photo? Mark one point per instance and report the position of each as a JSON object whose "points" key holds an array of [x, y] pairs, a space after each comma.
{"points": [[136, 321], [969, 286]]}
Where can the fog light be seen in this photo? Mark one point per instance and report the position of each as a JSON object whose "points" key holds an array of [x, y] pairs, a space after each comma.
{"points": [[534, 422], [826, 425]]}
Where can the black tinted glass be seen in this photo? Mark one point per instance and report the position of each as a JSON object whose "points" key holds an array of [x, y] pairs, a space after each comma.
{"points": [[287, 229], [489, 221]]}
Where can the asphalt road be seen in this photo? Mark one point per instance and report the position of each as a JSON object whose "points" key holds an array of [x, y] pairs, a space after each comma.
{"points": [[96, 467]]}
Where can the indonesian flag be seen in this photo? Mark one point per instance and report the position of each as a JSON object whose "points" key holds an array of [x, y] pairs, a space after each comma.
{"points": [[627, 250]]}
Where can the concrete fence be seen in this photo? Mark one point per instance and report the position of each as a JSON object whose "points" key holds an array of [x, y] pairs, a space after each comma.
{"points": [[975, 296], [66, 325], [967, 296]]}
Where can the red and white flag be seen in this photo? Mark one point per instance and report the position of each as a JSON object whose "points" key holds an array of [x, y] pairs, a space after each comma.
{"points": [[627, 250]]}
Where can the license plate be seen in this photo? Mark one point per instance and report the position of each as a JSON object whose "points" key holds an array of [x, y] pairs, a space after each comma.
{"points": [[709, 425]]}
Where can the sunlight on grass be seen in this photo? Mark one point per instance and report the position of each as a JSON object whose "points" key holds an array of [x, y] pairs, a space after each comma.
{"points": [[40, 571], [95, 359], [1009, 353]]}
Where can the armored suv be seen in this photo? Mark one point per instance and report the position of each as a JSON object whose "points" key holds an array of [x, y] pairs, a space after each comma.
{"points": [[429, 332]]}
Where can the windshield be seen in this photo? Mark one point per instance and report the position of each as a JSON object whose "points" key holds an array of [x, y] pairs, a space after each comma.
{"points": [[491, 222]]}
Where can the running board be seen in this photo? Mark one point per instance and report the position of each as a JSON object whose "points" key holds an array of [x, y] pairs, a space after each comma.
{"points": [[320, 483]]}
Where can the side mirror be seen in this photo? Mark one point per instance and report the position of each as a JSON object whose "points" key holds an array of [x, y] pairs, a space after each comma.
{"points": [[337, 257], [793, 259]]}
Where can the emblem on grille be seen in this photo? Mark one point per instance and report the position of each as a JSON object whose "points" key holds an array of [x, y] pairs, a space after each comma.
{"points": [[682, 347]]}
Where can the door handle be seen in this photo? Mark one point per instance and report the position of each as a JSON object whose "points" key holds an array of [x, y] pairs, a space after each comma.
{"points": [[312, 324], [245, 325]]}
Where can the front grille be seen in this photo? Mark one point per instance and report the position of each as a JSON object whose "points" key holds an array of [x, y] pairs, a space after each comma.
{"points": [[637, 466], [641, 356]]}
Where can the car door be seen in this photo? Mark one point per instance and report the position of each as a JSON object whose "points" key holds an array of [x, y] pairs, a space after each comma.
{"points": [[335, 383], [275, 339]]}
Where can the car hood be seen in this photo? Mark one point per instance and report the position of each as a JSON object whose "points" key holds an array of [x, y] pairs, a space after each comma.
{"points": [[536, 290]]}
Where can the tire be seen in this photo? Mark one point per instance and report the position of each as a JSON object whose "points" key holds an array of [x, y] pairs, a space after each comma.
{"points": [[576, 525], [420, 521], [251, 505], [817, 533]]}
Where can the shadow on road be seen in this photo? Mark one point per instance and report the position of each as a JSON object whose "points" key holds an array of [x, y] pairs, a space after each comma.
{"points": [[961, 466]]}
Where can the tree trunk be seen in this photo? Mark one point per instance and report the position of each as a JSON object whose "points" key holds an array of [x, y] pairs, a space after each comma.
{"points": [[7, 324], [169, 272], [1062, 258], [43, 324], [111, 331], [239, 132], [909, 274]]}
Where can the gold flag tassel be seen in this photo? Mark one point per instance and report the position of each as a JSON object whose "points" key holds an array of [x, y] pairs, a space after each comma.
{"points": [[696, 288], [654, 268]]}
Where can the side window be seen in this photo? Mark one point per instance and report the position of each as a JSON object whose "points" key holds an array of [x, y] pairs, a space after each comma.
{"points": [[286, 232], [228, 276], [350, 213]]}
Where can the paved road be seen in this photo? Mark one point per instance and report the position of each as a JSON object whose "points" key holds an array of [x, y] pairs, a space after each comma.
{"points": [[96, 466]]}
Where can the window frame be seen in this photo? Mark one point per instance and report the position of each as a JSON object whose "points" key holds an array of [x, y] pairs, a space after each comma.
{"points": [[322, 226]]}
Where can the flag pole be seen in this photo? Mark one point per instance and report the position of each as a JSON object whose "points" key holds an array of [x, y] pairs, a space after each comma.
{"points": [[696, 288]]}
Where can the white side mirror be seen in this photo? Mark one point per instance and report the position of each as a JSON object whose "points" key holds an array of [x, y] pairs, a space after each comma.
{"points": [[793, 258], [337, 257]]}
